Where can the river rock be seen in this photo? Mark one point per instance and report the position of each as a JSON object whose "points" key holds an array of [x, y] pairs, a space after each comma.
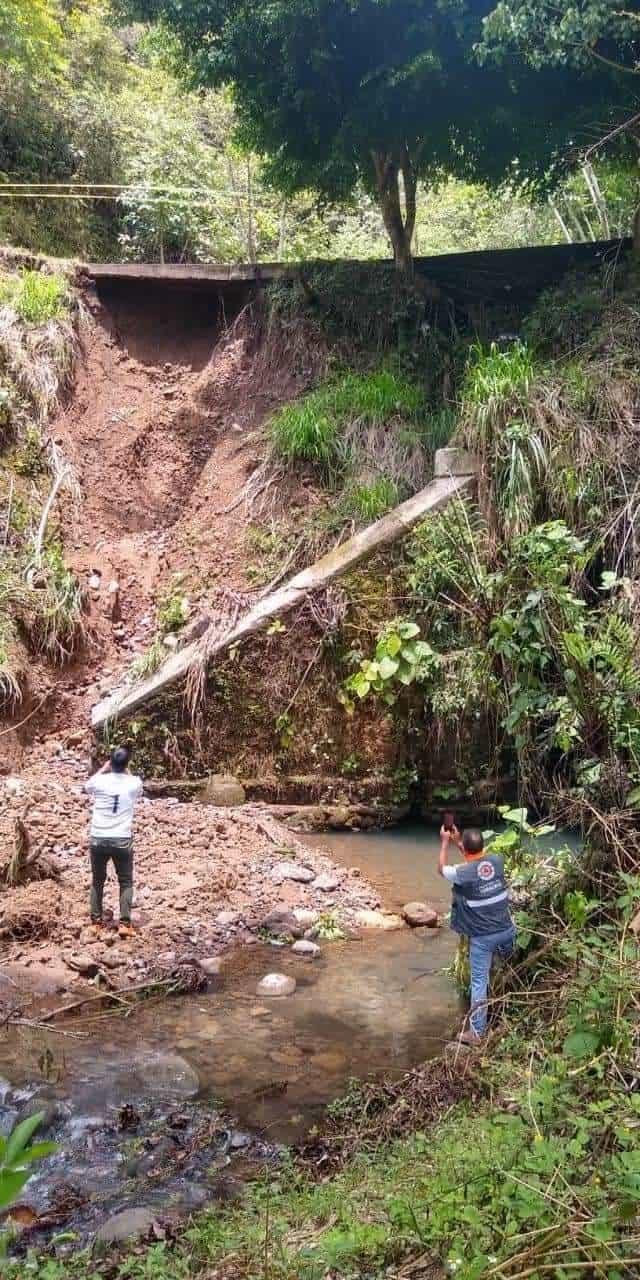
{"points": [[282, 923], [211, 965], [223, 790], [164, 1073], [378, 920], [227, 918], [310, 950], [292, 871], [130, 1224], [420, 914], [276, 984], [327, 882], [306, 917], [81, 963]]}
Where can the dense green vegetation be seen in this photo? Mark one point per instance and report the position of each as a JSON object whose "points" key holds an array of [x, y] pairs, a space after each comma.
{"points": [[85, 99], [341, 96]]}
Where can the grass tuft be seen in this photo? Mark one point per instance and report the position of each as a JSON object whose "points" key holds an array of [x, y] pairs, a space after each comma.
{"points": [[373, 427], [35, 296]]}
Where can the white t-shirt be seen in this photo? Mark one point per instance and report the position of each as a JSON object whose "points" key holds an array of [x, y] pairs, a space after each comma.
{"points": [[451, 874], [114, 797]]}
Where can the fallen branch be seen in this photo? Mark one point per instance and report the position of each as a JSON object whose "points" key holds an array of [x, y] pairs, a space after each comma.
{"points": [[172, 985]]}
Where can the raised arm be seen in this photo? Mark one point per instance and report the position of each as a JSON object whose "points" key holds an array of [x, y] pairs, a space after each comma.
{"points": [[445, 837]]}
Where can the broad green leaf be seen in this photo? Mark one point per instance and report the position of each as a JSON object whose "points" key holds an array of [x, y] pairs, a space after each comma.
{"points": [[37, 1152], [406, 675], [581, 1044], [409, 630], [11, 1184], [20, 1136], [387, 668], [393, 644], [517, 816]]}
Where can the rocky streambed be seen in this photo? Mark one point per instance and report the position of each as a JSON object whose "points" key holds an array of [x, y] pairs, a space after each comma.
{"points": [[176, 1105], [207, 879]]}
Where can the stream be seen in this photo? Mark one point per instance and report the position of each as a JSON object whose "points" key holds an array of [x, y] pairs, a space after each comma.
{"points": [[182, 1101]]}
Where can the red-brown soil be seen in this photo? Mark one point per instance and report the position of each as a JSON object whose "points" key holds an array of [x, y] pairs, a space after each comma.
{"points": [[161, 431]]}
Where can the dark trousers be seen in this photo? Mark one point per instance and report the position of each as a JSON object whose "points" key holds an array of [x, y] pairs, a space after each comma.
{"points": [[121, 853]]}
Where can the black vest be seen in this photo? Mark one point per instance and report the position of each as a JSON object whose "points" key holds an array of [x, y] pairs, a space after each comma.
{"points": [[481, 897]]}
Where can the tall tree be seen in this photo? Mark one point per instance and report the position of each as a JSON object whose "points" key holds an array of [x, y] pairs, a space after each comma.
{"points": [[337, 93]]}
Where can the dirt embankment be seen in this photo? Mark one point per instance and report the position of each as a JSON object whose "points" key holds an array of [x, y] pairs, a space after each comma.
{"points": [[159, 431]]}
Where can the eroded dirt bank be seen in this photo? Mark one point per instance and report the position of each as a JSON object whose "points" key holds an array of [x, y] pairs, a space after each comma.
{"points": [[159, 431]]}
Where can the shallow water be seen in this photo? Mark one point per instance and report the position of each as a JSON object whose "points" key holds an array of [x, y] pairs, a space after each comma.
{"points": [[380, 1003]]}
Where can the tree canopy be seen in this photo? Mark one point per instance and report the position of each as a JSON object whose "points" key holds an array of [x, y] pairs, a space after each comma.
{"points": [[337, 93], [584, 33]]}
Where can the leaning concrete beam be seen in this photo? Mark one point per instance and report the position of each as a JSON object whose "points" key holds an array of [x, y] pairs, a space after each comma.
{"points": [[333, 565]]}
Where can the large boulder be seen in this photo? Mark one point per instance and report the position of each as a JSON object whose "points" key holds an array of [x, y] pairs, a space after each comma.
{"points": [[223, 790], [276, 984], [420, 915], [130, 1224]]}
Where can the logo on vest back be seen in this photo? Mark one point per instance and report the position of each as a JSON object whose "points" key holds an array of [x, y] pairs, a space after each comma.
{"points": [[486, 870]]}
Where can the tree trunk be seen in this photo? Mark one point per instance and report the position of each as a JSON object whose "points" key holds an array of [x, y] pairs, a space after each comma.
{"points": [[388, 170]]}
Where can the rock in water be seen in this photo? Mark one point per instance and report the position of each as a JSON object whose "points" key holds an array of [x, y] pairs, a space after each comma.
{"points": [[282, 923], [166, 1073], [211, 965], [378, 920], [292, 871], [221, 789], [310, 950], [131, 1224], [276, 984], [420, 914]]}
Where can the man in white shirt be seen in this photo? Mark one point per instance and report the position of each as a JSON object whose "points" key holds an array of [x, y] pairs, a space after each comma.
{"points": [[114, 792]]}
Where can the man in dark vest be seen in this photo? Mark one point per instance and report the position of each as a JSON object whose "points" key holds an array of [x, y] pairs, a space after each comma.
{"points": [[480, 912]]}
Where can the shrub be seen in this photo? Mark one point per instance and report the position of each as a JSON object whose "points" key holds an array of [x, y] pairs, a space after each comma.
{"points": [[35, 296], [173, 612]]}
